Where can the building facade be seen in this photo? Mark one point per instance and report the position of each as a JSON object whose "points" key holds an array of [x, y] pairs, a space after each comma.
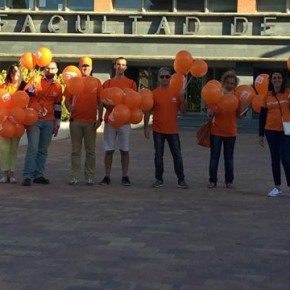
{"points": [[250, 36]]}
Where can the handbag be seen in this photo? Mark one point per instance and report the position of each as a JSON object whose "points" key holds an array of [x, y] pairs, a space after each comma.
{"points": [[203, 134], [286, 125]]}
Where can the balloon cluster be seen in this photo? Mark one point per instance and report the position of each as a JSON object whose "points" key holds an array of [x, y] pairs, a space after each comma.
{"points": [[14, 114], [128, 105], [77, 84], [184, 64], [42, 57], [215, 99]]}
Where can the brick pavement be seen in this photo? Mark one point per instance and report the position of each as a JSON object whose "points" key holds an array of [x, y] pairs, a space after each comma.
{"points": [[59, 237]]}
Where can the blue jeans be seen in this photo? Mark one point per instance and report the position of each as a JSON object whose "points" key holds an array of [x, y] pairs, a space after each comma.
{"points": [[174, 145], [215, 152], [279, 145], [39, 137]]}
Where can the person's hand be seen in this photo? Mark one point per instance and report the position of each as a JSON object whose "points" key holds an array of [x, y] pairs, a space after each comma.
{"points": [[98, 124], [55, 130], [261, 141], [146, 133]]}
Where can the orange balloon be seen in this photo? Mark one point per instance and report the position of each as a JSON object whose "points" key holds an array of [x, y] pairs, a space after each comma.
{"points": [[20, 99], [121, 113], [75, 85], [245, 93], [113, 96], [132, 100], [28, 60], [70, 72], [17, 115], [31, 116], [228, 103], [90, 85], [19, 130], [261, 84], [43, 56], [3, 113], [199, 68], [5, 99], [136, 116], [257, 103], [183, 62], [7, 129], [114, 122], [176, 82], [211, 93], [146, 99], [128, 90], [215, 82]]}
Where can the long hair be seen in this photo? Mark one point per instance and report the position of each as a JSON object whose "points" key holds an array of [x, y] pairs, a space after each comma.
{"points": [[283, 85], [11, 70]]}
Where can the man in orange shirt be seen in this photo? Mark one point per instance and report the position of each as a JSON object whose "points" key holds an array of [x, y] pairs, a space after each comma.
{"points": [[123, 132], [45, 96], [165, 127], [86, 117]]}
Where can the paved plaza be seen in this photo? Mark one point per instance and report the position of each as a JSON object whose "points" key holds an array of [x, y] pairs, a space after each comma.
{"points": [[61, 237]]}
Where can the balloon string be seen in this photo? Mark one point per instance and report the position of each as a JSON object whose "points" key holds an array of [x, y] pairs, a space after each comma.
{"points": [[187, 83]]}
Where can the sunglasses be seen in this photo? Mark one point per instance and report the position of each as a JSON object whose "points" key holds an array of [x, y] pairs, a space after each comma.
{"points": [[164, 77]]}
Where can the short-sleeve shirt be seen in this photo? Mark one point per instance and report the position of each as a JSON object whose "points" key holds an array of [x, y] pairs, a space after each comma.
{"points": [[274, 118], [165, 110], [85, 105], [225, 123], [47, 94]]}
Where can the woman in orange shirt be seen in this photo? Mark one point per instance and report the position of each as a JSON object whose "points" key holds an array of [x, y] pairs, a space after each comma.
{"points": [[276, 105], [224, 132], [9, 146]]}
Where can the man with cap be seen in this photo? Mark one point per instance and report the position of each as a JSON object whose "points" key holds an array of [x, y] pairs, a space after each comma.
{"points": [[86, 117], [165, 127]]}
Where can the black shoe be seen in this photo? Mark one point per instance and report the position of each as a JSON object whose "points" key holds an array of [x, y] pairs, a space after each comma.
{"points": [[106, 181], [182, 184], [26, 182], [41, 180], [126, 181]]}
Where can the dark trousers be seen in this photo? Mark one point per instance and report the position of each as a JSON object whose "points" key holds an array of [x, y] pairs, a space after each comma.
{"points": [[174, 145], [215, 151], [279, 145]]}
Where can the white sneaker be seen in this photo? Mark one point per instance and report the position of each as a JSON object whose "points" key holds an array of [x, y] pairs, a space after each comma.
{"points": [[4, 179], [274, 192]]}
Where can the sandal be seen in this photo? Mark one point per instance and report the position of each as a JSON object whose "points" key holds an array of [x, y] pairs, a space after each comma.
{"points": [[211, 185]]}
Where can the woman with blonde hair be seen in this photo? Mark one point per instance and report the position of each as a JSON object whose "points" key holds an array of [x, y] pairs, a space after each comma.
{"points": [[224, 132]]}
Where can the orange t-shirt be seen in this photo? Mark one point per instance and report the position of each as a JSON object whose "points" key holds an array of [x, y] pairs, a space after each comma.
{"points": [[47, 94], [274, 118], [225, 123], [85, 105], [124, 83], [165, 110]]}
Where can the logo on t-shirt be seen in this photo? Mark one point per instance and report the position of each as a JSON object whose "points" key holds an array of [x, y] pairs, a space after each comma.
{"points": [[174, 99]]}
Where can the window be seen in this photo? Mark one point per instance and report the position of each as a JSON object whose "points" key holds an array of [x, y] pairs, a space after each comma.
{"points": [[159, 5], [20, 4], [271, 6], [188, 5], [128, 4], [78, 5], [51, 4], [222, 6], [1, 4]]}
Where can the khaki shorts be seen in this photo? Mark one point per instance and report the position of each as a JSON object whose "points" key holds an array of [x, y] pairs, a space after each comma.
{"points": [[111, 134]]}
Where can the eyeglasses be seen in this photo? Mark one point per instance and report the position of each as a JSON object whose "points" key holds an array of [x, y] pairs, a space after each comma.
{"points": [[164, 77]]}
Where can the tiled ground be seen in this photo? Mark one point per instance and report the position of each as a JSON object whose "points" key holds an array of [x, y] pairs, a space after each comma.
{"points": [[59, 237]]}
